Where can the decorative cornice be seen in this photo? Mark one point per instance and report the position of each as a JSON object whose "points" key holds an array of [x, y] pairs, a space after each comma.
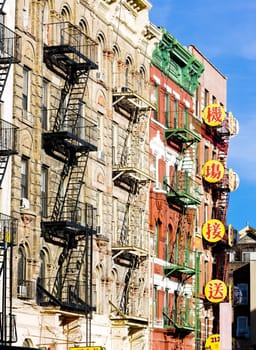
{"points": [[177, 62]]}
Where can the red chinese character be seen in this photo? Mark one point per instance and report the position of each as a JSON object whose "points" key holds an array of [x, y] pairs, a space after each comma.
{"points": [[214, 114], [213, 231], [213, 171], [216, 291]]}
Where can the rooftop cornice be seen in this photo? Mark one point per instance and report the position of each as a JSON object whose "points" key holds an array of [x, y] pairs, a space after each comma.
{"points": [[177, 62]]}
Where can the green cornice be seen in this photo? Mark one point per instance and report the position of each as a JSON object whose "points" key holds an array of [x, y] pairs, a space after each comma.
{"points": [[177, 62]]}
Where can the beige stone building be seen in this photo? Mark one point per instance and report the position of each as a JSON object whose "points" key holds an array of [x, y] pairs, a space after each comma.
{"points": [[80, 179]]}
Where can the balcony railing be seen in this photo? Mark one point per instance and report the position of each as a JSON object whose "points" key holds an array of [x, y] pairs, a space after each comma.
{"points": [[8, 138], [182, 190], [70, 40], [9, 46], [8, 229]]}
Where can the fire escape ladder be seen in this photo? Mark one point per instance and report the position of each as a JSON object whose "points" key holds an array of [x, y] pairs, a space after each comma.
{"points": [[4, 70], [125, 300], [59, 200], [2, 2], [8, 145], [124, 155], [124, 235], [75, 181], [71, 95], [3, 167]]}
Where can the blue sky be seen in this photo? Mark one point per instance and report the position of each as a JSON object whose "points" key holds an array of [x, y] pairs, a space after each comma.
{"points": [[225, 32]]}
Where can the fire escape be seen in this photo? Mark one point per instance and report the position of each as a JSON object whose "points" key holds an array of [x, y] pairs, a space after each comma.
{"points": [[221, 192], [70, 224], [130, 173], [183, 194], [9, 54]]}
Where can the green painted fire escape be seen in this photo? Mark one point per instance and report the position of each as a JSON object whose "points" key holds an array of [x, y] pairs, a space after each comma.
{"points": [[183, 193]]}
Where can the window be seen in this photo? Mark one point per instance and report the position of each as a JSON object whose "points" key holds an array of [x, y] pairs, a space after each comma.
{"points": [[99, 212], [101, 45], [167, 244], [44, 193], [45, 104], [141, 81], [21, 265], [197, 101], [206, 153], [25, 89], [128, 70], [206, 97], [155, 302], [156, 96], [214, 99], [24, 177], [197, 163], [244, 289], [115, 70], [176, 114], [115, 144], [43, 269], [157, 229], [186, 121], [242, 329], [167, 109]]}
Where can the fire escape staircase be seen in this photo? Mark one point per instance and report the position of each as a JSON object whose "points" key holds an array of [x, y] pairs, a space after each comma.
{"points": [[71, 223], [8, 332], [181, 266], [9, 54], [129, 251]]}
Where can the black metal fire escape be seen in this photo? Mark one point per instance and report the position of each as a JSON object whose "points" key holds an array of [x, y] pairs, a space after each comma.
{"points": [[71, 224], [9, 54], [129, 250]]}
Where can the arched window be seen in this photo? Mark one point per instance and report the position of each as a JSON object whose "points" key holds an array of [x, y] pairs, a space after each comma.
{"points": [[115, 67], [128, 70], [43, 266], [21, 265], [101, 42], [141, 80], [65, 13], [83, 26]]}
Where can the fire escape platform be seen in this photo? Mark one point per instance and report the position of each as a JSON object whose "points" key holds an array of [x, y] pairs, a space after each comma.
{"points": [[177, 270], [130, 100], [182, 199], [66, 305], [59, 144], [181, 135], [66, 56], [119, 319], [130, 174]]}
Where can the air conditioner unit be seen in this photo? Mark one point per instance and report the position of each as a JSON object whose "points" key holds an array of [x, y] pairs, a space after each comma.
{"points": [[100, 76], [158, 185], [101, 155], [24, 203], [22, 292]]}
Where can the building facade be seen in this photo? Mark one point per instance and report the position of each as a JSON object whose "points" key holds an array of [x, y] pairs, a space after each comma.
{"points": [[80, 180], [102, 195], [187, 210]]}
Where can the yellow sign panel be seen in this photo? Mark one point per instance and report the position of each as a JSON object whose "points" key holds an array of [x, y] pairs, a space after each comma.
{"points": [[214, 114], [87, 348], [213, 171], [213, 230], [215, 291], [213, 342]]}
